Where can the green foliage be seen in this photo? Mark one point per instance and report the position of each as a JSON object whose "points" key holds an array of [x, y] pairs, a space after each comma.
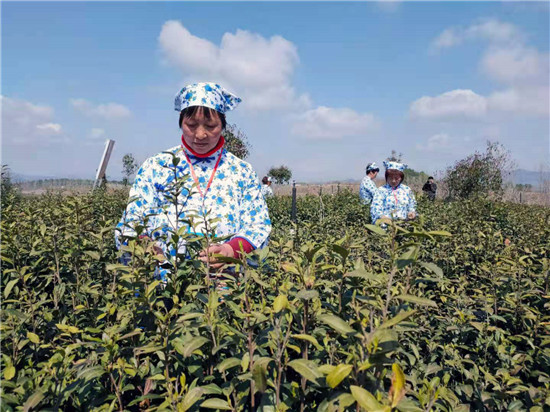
{"points": [[527, 186], [395, 157], [411, 174], [338, 314], [479, 173], [129, 167], [8, 191], [281, 174], [236, 141]]}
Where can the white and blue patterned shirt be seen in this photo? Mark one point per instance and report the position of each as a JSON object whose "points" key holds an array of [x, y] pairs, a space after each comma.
{"points": [[234, 198], [393, 203], [267, 191], [367, 190]]}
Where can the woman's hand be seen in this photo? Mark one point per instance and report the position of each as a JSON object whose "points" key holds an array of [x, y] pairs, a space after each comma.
{"points": [[157, 250], [384, 220], [224, 249], [411, 215]]}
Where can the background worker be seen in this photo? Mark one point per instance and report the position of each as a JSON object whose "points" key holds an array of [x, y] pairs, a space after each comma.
{"points": [[368, 187], [267, 191], [430, 188], [394, 200]]}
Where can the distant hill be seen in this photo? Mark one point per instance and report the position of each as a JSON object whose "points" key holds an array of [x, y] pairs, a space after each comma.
{"points": [[529, 177], [19, 178]]}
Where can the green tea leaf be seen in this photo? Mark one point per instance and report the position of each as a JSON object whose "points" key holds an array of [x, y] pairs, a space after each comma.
{"points": [[401, 316], [228, 364], [366, 400], [33, 337], [33, 401], [306, 368], [280, 303], [192, 345], [338, 374], [192, 397], [336, 323], [216, 403], [9, 287], [9, 372], [308, 338], [417, 300]]}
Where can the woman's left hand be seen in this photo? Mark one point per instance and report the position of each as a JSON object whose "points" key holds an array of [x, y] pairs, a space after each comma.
{"points": [[224, 249], [411, 215]]}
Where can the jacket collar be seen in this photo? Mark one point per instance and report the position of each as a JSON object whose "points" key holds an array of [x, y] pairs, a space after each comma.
{"points": [[203, 156]]}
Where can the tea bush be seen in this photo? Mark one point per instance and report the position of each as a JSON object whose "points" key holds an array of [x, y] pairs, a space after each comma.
{"points": [[448, 313]]}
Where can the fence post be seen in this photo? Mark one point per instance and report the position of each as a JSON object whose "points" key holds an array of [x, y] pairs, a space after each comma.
{"points": [[293, 208], [338, 188], [520, 198], [320, 190]]}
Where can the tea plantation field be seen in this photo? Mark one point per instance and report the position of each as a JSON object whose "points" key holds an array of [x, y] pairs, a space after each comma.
{"points": [[447, 313]]}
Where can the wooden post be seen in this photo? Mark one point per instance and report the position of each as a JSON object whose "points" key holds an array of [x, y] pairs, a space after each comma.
{"points": [[520, 199], [320, 190], [293, 208], [109, 144], [338, 189]]}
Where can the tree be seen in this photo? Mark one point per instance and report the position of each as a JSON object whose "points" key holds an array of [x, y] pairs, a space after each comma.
{"points": [[281, 174], [129, 167], [395, 157], [8, 190], [479, 173], [236, 141]]}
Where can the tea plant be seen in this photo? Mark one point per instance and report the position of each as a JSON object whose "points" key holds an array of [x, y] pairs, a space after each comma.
{"points": [[447, 313]]}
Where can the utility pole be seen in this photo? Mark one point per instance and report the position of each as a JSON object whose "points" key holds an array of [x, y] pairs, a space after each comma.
{"points": [[109, 144], [293, 208]]}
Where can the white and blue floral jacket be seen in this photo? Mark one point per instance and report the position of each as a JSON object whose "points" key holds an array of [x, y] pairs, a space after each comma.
{"points": [[234, 199], [393, 203], [367, 190], [267, 191]]}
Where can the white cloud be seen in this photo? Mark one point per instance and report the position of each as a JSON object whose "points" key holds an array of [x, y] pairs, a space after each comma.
{"points": [[97, 134], [256, 68], [436, 143], [451, 105], [389, 6], [532, 100], [516, 65], [448, 38], [53, 128], [522, 71], [333, 123], [491, 30], [108, 111], [24, 122]]}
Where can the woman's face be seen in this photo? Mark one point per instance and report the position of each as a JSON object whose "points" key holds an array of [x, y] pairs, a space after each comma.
{"points": [[201, 133], [394, 180]]}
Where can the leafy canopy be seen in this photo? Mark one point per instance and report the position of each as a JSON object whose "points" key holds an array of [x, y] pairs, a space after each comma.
{"points": [[281, 174]]}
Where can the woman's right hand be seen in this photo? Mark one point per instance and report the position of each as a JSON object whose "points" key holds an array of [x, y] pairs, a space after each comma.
{"points": [[157, 250]]}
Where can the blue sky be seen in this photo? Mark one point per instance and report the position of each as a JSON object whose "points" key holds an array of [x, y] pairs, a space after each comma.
{"points": [[326, 87]]}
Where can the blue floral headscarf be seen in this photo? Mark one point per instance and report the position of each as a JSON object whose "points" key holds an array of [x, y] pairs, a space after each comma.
{"points": [[372, 166], [394, 165], [210, 95]]}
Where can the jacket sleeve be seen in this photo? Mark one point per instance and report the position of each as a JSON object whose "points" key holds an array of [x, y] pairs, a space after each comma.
{"points": [[255, 225], [141, 203], [363, 192], [411, 207], [376, 207]]}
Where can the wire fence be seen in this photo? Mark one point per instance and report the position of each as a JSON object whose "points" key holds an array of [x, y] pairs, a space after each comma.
{"points": [[511, 194]]}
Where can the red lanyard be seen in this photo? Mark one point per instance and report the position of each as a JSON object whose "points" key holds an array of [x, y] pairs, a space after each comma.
{"points": [[195, 176], [394, 196]]}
